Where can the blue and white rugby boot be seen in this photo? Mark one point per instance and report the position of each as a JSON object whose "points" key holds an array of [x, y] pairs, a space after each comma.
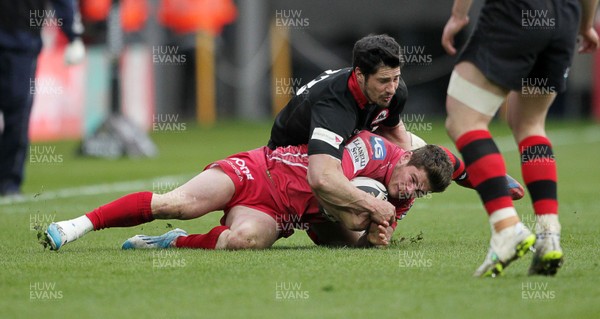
{"points": [[154, 242], [55, 236]]}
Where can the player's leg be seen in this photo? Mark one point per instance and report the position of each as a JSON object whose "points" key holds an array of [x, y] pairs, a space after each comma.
{"points": [[16, 99], [208, 191], [526, 116], [248, 229], [245, 228], [471, 103]]}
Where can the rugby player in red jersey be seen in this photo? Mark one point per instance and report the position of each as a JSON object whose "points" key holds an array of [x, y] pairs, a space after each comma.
{"points": [[264, 194], [329, 110]]}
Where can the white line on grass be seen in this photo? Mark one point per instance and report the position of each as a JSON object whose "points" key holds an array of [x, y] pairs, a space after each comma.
{"points": [[505, 143], [91, 190]]}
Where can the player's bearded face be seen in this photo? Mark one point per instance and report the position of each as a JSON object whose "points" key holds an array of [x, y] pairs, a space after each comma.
{"points": [[380, 87]]}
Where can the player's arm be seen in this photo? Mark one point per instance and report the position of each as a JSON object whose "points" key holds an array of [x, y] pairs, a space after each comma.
{"points": [[458, 20], [338, 196], [589, 37], [397, 135], [68, 13]]}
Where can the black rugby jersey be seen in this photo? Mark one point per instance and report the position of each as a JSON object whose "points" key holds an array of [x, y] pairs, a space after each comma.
{"points": [[329, 110]]}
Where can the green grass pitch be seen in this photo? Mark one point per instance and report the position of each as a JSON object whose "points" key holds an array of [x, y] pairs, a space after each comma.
{"points": [[425, 273]]}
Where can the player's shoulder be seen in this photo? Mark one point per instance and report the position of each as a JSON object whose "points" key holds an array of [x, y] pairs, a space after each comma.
{"points": [[371, 138], [329, 82], [372, 145]]}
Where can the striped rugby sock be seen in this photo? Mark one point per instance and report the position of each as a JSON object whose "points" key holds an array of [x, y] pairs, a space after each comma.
{"points": [[538, 167], [487, 172]]}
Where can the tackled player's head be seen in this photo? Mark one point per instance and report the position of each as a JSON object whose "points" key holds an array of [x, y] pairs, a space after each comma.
{"points": [[419, 172], [436, 163]]}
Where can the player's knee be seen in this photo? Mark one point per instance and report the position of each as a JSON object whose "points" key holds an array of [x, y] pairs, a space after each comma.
{"points": [[451, 126], [513, 124], [448, 123], [245, 238]]}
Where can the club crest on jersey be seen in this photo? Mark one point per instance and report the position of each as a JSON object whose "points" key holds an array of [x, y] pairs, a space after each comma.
{"points": [[358, 153], [378, 148], [380, 117]]}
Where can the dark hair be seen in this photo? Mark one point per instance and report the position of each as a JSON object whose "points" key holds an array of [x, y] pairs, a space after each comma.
{"points": [[436, 163], [374, 51]]}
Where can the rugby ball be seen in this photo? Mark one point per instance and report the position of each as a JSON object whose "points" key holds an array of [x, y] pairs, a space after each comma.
{"points": [[370, 186]]}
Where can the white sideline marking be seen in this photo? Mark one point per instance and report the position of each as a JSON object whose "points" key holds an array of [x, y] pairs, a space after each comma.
{"points": [[505, 144], [93, 189]]}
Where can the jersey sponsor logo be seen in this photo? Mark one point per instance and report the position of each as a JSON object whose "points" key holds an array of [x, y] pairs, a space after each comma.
{"points": [[378, 148], [243, 169], [381, 116], [327, 136], [358, 153]]}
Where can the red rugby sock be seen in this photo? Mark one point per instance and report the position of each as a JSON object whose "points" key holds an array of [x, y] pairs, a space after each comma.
{"points": [[129, 210], [201, 241]]}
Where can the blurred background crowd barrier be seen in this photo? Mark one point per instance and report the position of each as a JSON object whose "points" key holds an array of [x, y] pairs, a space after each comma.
{"points": [[206, 60]]}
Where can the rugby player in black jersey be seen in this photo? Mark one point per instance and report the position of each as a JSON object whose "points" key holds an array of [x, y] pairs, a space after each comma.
{"points": [[520, 51], [333, 107]]}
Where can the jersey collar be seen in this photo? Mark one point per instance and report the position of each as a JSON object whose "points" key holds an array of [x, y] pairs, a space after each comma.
{"points": [[357, 93]]}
